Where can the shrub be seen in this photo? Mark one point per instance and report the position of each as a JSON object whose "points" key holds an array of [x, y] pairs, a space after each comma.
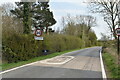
{"points": [[21, 47]]}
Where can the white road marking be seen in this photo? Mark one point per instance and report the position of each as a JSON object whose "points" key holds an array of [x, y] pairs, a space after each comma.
{"points": [[46, 61], [102, 67], [29, 65], [18, 67]]}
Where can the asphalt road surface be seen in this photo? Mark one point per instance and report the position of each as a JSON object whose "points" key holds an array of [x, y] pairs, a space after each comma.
{"points": [[83, 63]]}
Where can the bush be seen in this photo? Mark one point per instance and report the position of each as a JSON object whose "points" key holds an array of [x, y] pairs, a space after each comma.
{"points": [[19, 48], [23, 47]]}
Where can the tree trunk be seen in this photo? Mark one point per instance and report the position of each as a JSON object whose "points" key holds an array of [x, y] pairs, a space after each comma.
{"points": [[46, 31]]}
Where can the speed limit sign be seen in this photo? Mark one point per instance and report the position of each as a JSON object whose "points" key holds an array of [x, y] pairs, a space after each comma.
{"points": [[117, 31], [38, 32]]}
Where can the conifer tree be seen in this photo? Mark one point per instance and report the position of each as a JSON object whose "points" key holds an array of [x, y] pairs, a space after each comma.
{"points": [[22, 11], [42, 16]]}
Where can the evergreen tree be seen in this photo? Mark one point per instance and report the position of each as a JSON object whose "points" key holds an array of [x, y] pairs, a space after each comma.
{"points": [[22, 11], [39, 12], [42, 16]]}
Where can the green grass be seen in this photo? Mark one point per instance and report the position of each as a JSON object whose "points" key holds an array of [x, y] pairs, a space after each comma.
{"points": [[12, 65], [111, 67]]}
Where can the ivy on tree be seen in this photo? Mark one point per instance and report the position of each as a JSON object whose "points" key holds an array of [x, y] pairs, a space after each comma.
{"points": [[22, 11]]}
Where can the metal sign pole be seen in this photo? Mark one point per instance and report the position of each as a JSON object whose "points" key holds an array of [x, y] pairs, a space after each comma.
{"points": [[118, 7], [118, 54], [118, 51], [118, 47]]}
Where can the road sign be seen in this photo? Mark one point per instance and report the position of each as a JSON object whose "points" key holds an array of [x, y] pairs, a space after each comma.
{"points": [[38, 38], [117, 31], [38, 32]]}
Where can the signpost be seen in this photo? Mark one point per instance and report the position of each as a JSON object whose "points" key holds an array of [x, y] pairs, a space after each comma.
{"points": [[117, 31], [38, 38], [38, 34], [118, 34]]}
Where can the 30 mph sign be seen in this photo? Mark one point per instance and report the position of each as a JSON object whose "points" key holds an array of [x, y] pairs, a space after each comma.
{"points": [[117, 31], [38, 32]]}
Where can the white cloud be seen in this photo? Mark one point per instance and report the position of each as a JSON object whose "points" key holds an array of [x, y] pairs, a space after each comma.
{"points": [[77, 2], [70, 11], [6, 1]]}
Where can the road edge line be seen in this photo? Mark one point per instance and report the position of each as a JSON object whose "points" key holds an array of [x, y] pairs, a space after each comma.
{"points": [[27, 65], [18, 67], [24, 65], [102, 66]]}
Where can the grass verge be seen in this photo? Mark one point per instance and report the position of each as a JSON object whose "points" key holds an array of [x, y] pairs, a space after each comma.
{"points": [[110, 66], [13, 65]]}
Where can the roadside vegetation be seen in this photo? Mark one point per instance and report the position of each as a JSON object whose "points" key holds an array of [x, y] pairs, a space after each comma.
{"points": [[110, 59], [110, 12], [19, 23], [23, 47], [110, 65], [18, 44]]}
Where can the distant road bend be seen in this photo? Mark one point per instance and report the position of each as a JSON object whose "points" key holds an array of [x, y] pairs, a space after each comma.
{"points": [[84, 63]]}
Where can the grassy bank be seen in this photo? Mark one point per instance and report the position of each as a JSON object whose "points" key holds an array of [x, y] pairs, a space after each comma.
{"points": [[12, 65], [111, 66]]}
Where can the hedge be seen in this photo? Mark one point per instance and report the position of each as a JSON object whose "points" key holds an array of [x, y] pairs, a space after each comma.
{"points": [[21, 47]]}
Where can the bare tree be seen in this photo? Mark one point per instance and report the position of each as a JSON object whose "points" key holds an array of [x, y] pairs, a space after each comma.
{"points": [[6, 9], [76, 23], [63, 22], [68, 24], [80, 26], [118, 8], [70, 19], [89, 20], [10, 24], [109, 11]]}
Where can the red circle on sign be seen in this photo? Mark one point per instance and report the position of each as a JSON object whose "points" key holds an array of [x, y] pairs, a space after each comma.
{"points": [[38, 32], [116, 31]]}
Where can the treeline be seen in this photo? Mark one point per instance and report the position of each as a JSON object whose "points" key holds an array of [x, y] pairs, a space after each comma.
{"points": [[80, 26], [18, 39], [20, 47]]}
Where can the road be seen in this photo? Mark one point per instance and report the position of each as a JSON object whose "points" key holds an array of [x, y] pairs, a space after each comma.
{"points": [[83, 63]]}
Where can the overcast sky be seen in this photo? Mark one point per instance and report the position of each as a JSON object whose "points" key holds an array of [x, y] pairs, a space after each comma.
{"points": [[73, 7]]}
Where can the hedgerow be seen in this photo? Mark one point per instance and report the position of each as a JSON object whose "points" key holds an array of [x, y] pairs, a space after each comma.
{"points": [[22, 47]]}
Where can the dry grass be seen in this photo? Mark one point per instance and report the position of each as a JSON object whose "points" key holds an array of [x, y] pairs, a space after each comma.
{"points": [[113, 52]]}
